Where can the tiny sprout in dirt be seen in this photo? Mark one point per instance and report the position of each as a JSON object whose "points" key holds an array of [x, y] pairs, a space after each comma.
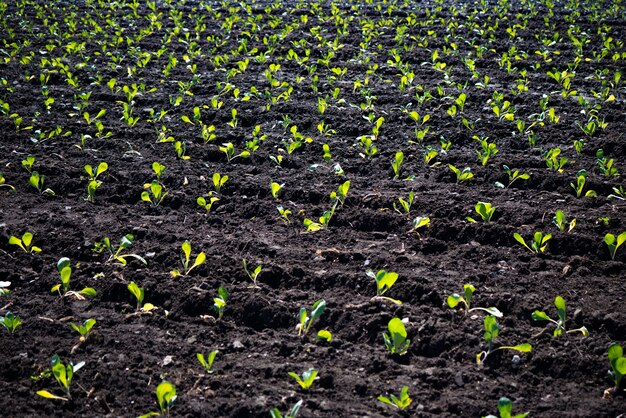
{"points": [[396, 164], [65, 271], [485, 210], [207, 362], [404, 205], [561, 222], [219, 302], [421, 222], [396, 341], [613, 242], [275, 189], [3, 183], [185, 260], [455, 300], [505, 410], [201, 201], [219, 181], [617, 370], [155, 193], [384, 281], [560, 327], [492, 329], [118, 254], [293, 412], [538, 244], [138, 293], [4, 288], [324, 335], [37, 181], [461, 175], [307, 321], [63, 375], [306, 379], [84, 329], [400, 402], [94, 184], [513, 177], [253, 275], [10, 322], [579, 187], [166, 395], [25, 243], [284, 214]]}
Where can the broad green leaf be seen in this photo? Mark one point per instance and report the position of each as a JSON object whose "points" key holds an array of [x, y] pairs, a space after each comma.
{"points": [[187, 251], [166, 394], [396, 327], [89, 291], [519, 239], [615, 351], [324, 335], [102, 167], [454, 299], [200, 259], [505, 407], [27, 239], [318, 309], [145, 197], [16, 241], [620, 365], [540, 316]]}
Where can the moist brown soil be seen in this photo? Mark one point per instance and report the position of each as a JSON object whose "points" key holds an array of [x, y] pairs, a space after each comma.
{"points": [[127, 355]]}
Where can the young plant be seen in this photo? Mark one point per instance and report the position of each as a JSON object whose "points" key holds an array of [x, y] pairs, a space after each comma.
{"points": [[618, 368], [166, 395], [118, 254], [94, 184], [421, 222], [306, 380], [4, 288], [492, 329], [156, 193], [560, 220], [275, 189], [293, 412], [613, 243], [554, 161], [207, 362], [505, 410], [606, 166], [513, 177], [3, 183], [37, 181], [201, 201], [400, 402], [307, 321], [138, 293], [84, 329], [254, 275], [63, 375], [405, 205], [284, 214], [579, 187], [25, 243], [485, 210], [488, 150], [11, 322], [384, 281], [538, 244], [229, 150], [219, 181], [396, 341], [461, 176], [219, 303], [559, 302], [396, 164], [185, 260], [63, 288], [455, 300]]}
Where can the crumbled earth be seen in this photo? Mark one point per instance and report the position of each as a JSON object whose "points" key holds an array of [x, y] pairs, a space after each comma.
{"points": [[128, 353]]}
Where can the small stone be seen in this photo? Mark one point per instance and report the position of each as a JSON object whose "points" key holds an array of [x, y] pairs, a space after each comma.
{"points": [[168, 360], [238, 345]]}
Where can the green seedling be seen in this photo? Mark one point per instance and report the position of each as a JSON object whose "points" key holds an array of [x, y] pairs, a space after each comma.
{"points": [[613, 243], [324, 335], [201, 201], [83, 329], [156, 193], [326, 150], [219, 181], [618, 192], [63, 288], [284, 214], [229, 150], [487, 150], [606, 166], [37, 181], [138, 293], [293, 412], [275, 189], [307, 321], [3, 183], [396, 341], [561, 310], [405, 205], [554, 161], [253, 275], [25, 243], [505, 410], [465, 302], [93, 175], [539, 243], [492, 330], [4, 288], [513, 177], [400, 402], [158, 169], [485, 210], [63, 375], [384, 281], [560, 220], [421, 222], [28, 163], [579, 187], [92, 187], [219, 303], [396, 164], [618, 368], [166, 395], [118, 254], [207, 362], [306, 380], [341, 194], [11, 322], [461, 176], [185, 260]]}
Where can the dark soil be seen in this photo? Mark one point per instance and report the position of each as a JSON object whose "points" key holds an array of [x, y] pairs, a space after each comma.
{"points": [[128, 354]]}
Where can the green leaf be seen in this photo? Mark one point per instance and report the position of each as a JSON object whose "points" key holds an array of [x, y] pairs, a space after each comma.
{"points": [[102, 167], [505, 407], [615, 351], [166, 394], [48, 395], [89, 291], [540, 316], [454, 299], [324, 335], [524, 348], [519, 239], [318, 309], [62, 263], [16, 241], [27, 239], [187, 251]]}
